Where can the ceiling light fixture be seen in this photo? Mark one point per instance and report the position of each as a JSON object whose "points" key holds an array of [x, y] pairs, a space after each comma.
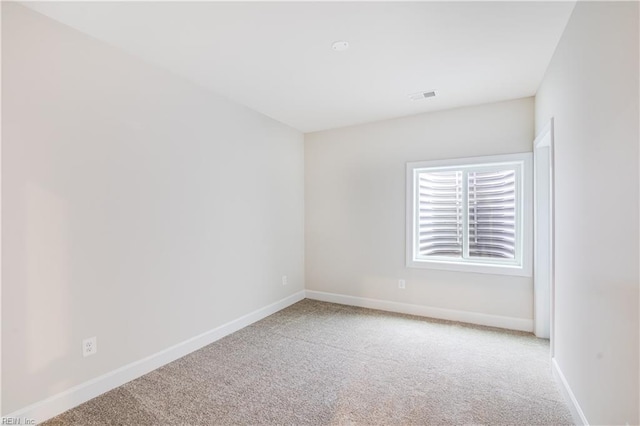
{"points": [[340, 46], [422, 95]]}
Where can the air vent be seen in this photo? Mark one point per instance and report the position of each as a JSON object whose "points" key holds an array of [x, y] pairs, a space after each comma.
{"points": [[421, 95]]}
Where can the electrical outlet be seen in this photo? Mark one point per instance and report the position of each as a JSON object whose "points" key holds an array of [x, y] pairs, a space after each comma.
{"points": [[285, 281], [89, 346], [401, 284]]}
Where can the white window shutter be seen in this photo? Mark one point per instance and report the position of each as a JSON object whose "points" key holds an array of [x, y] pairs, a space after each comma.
{"points": [[492, 214], [439, 218]]}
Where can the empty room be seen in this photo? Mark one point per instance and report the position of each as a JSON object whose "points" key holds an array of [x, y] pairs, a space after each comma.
{"points": [[319, 213]]}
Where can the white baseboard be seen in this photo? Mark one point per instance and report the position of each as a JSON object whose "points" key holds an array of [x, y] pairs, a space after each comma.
{"points": [[577, 413], [520, 324], [57, 404]]}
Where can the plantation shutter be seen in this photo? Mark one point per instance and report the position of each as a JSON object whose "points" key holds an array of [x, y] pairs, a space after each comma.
{"points": [[439, 221], [470, 214], [492, 214]]}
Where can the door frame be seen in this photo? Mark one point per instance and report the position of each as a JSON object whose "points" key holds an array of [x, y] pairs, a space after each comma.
{"points": [[543, 145]]}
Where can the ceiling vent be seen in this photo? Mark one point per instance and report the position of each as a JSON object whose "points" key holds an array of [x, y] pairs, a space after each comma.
{"points": [[421, 95]]}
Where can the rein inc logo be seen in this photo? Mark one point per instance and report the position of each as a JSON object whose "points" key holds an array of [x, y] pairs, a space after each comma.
{"points": [[17, 421]]}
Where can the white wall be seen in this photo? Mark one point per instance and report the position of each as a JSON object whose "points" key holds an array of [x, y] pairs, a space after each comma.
{"points": [[137, 208], [591, 90], [355, 207]]}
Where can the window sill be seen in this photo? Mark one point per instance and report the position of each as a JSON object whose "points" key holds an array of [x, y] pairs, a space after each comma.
{"points": [[512, 270]]}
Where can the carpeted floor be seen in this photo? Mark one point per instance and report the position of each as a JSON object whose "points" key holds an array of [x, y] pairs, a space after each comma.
{"points": [[318, 363]]}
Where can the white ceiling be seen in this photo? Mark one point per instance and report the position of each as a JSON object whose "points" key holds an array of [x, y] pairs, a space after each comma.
{"points": [[277, 59]]}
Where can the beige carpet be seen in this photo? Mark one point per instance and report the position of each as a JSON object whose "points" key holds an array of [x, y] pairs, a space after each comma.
{"points": [[318, 363]]}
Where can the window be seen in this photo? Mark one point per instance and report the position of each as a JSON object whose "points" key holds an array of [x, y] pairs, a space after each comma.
{"points": [[470, 214]]}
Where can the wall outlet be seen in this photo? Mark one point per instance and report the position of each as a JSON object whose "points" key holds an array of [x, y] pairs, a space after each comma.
{"points": [[89, 346], [285, 281], [401, 284]]}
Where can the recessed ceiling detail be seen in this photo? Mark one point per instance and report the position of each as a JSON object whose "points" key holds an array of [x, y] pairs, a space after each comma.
{"points": [[340, 46]]}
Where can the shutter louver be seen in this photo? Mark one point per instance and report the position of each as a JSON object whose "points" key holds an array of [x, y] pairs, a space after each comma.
{"points": [[492, 214], [439, 219]]}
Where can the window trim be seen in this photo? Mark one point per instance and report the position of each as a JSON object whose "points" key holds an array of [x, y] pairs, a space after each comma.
{"points": [[524, 226]]}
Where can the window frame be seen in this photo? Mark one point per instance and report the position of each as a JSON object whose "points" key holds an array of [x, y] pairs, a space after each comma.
{"points": [[522, 264]]}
